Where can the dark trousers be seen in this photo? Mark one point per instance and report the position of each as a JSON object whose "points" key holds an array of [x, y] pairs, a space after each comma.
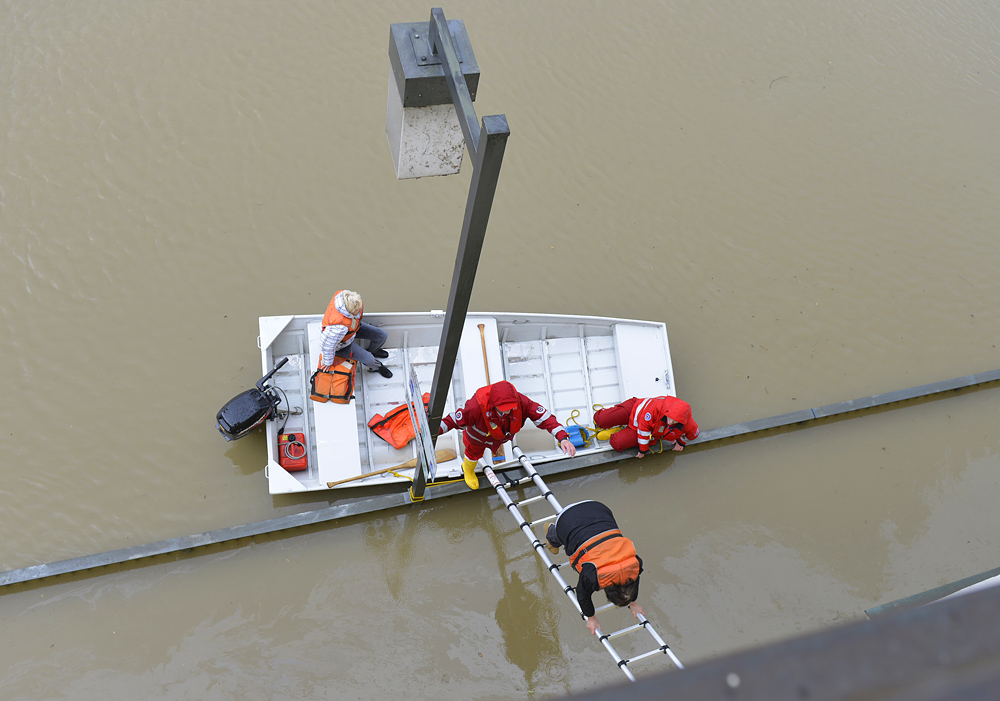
{"points": [[376, 339]]}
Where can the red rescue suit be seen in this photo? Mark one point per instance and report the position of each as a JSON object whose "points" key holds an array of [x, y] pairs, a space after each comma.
{"points": [[485, 427], [644, 424]]}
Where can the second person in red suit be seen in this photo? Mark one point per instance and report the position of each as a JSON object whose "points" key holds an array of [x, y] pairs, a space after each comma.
{"points": [[491, 418]]}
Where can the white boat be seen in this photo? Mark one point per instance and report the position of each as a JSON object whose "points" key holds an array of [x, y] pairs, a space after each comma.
{"points": [[566, 363]]}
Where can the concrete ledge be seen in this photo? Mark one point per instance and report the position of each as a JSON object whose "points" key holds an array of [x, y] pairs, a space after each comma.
{"points": [[358, 506]]}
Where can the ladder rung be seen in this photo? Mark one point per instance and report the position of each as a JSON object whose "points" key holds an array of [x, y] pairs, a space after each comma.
{"points": [[539, 520], [599, 608], [623, 631], [644, 655], [532, 500]]}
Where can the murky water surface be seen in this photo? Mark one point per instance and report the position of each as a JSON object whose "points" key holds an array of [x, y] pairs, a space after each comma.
{"points": [[805, 192]]}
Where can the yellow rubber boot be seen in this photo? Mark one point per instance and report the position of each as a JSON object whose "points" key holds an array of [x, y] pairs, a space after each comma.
{"points": [[469, 472], [606, 433]]}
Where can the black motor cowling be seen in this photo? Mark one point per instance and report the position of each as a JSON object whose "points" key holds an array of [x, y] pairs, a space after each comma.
{"points": [[248, 410]]}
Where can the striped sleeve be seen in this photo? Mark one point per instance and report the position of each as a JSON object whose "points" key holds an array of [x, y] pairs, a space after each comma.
{"points": [[463, 417], [643, 425], [330, 342]]}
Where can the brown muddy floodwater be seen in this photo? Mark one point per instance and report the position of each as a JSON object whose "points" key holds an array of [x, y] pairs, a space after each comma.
{"points": [[806, 193]]}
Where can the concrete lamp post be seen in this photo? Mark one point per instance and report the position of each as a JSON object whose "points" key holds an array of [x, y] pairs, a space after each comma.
{"points": [[430, 121]]}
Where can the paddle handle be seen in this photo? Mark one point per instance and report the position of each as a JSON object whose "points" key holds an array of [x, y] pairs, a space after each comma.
{"points": [[443, 455], [486, 361], [486, 364]]}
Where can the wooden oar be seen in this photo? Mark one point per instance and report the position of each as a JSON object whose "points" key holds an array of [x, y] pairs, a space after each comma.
{"points": [[486, 362], [443, 455]]}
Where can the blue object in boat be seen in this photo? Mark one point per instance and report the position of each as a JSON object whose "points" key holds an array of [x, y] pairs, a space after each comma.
{"points": [[577, 435]]}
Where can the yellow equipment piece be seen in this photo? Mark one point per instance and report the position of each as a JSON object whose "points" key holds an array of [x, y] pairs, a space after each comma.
{"points": [[606, 433]]}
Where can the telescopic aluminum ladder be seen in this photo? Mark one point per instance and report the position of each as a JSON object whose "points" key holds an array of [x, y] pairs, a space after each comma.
{"points": [[527, 527]]}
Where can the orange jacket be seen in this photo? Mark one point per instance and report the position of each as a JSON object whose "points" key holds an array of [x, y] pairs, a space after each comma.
{"points": [[612, 554], [333, 316], [395, 428]]}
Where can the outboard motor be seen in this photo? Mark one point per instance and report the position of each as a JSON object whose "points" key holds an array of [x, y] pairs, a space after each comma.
{"points": [[245, 412]]}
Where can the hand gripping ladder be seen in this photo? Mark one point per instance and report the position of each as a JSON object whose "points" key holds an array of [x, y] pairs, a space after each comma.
{"points": [[527, 528]]}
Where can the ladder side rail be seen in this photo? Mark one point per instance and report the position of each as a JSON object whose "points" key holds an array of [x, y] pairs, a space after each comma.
{"points": [[525, 528], [643, 623], [619, 660], [664, 648]]}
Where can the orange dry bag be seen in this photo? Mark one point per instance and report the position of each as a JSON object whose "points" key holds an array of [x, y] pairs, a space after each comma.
{"points": [[334, 383]]}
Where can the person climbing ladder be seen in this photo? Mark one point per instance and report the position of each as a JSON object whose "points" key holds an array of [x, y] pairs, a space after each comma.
{"points": [[604, 558], [596, 547]]}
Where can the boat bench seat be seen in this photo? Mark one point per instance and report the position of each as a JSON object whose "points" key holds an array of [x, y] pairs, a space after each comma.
{"points": [[336, 427], [644, 368]]}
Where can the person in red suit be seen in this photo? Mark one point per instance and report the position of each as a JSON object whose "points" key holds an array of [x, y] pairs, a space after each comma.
{"points": [[491, 418], [645, 422]]}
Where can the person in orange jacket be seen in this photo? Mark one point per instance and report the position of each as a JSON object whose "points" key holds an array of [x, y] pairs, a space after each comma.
{"points": [[604, 558], [646, 422], [342, 326], [491, 418]]}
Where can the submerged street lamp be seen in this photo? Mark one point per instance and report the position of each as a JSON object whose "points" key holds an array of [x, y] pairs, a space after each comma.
{"points": [[429, 117], [421, 119]]}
